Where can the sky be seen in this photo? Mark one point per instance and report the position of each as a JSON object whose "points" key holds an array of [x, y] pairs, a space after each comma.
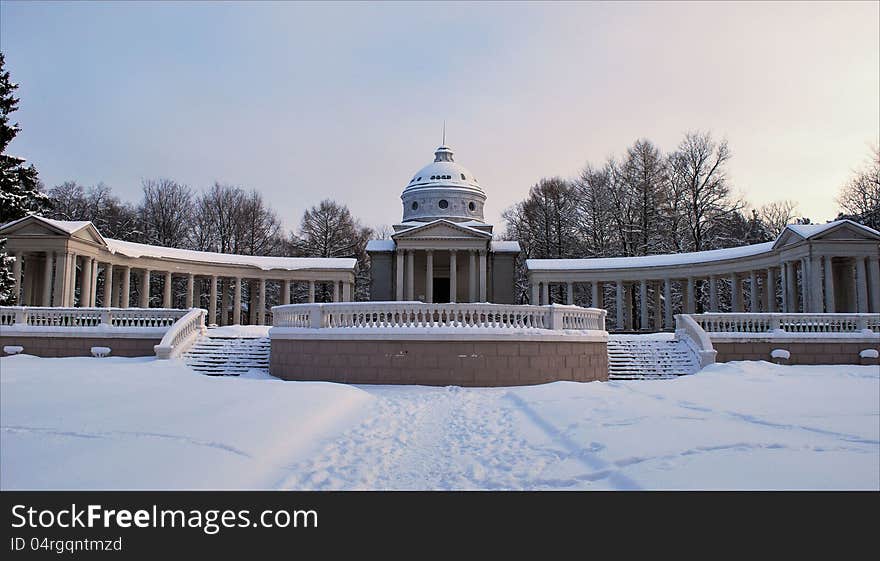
{"points": [[347, 101]]}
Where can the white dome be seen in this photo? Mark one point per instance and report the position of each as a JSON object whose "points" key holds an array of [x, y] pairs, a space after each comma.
{"points": [[443, 189], [444, 171]]}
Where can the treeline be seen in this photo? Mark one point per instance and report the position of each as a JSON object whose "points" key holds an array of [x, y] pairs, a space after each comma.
{"points": [[223, 218], [643, 202]]}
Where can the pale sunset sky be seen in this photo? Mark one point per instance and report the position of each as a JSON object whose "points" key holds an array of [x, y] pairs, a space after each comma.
{"points": [[307, 101]]}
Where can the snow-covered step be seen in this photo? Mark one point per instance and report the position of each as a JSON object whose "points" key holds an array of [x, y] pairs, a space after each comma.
{"points": [[656, 356], [228, 356]]}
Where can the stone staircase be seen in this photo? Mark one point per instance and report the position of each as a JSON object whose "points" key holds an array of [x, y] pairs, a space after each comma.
{"points": [[654, 356], [228, 356]]}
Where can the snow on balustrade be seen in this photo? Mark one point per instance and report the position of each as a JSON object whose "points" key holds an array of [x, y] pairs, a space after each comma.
{"points": [[788, 323], [39, 316], [182, 334], [385, 315]]}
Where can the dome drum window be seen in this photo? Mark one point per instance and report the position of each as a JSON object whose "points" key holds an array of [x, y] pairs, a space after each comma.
{"points": [[443, 203], [415, 205], [472, 206]]}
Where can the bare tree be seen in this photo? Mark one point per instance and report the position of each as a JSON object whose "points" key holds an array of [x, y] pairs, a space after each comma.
{"points": [[165, 212], [777, 215], [329, 230], [859, 198], [699, 170]]}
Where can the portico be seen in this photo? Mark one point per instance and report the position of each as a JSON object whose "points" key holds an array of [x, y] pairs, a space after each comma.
{"points": [[62, 263]]}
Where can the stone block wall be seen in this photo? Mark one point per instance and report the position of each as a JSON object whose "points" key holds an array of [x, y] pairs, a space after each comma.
{"points": [[54, 346], [816, 351], [438, 363]]}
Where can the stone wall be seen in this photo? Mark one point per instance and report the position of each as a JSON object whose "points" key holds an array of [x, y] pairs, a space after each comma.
{"points": [[55, 346], [816, 351], [439, 362]]}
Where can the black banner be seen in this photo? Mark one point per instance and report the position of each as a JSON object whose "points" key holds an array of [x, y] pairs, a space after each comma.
{"points": [[224, 524]]}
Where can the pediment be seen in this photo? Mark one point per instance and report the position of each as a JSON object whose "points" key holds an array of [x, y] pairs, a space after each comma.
{"points": [[842, 230], [846, 231], [441, 229], [33, 226], [89, 234]]}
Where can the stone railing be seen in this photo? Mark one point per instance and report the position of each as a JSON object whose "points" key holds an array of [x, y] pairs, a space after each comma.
{"points": [[689, 331], [385, 315], [39, 316], [787, 323], [182, 334]]}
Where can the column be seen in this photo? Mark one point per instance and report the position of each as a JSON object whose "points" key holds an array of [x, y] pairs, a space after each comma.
{"points": [[735, 293], [713, 293], [628, 294], [806, 292], [667, 308], [816, 296], [753, 291], [453, 275], [261, 299], [619, 304], [658, 307], [224, 302], [70, 285], [399, 284], [190, 289], [643, 305], [58, 290], [108, 285], [691, 296], [536, 298], [85, 282], [874, 283], [166, 291], [429, 276], [472, 276], [312, 292], [47, 279], [212, 303], [783, 283], [410, 274], [126, 287], [93, 288], [346, 291], [595, 302], [569, 293], [829, 285], [336, 291], [791, 287], [545, 293], [16, 271], [145, 289], [285, 292], [861, 286], [236, 302], [770, 290], [482, 280]]}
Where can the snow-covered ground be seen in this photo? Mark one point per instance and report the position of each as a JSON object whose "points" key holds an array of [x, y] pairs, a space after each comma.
{"points": [[142, 423]]}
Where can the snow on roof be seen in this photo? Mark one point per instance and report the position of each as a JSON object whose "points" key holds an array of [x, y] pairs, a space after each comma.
{"points": [[131, 249], [504, 246], [692, 258], [807, 231], [69, 226], [380, 245]]}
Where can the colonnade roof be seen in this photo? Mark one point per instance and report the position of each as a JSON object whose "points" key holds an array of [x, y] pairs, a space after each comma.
{"points": [[837, 231], [86, 231]]}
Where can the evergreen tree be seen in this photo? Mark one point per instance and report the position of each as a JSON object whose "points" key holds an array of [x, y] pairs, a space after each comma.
{"points": [[20, 193]]}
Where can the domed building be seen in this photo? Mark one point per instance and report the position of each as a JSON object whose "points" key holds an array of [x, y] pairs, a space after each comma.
{"points": [[443, 250]]}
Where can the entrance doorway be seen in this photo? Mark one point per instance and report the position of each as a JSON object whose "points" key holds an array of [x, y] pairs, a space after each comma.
{"points": [[441, 290]]}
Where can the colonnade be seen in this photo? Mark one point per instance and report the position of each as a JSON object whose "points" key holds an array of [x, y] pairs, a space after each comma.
{"points": [[476, 274], [52, 279], [820, 284]]}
